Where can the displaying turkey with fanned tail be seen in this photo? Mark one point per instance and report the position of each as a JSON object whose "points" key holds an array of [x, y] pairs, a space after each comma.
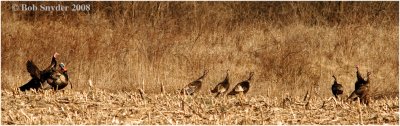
{"points": [[223, 86], [41, 79], [194, 86]]}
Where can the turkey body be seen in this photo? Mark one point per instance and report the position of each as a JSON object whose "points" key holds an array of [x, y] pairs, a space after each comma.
{"points": [[194, 86], [337, 89], [361, 89], [242, 87], [223, 86], [49, 78], [59, 79]]}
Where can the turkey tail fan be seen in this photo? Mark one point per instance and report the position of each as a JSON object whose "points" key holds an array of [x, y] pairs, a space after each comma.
{"points": [[33, 69]]}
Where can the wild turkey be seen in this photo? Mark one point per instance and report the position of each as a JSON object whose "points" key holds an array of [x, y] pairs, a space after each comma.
{"points": [[337, 89], [39, 78], [362, 92], [59, 78], [242, 87], [194, 86], [223, 86]]}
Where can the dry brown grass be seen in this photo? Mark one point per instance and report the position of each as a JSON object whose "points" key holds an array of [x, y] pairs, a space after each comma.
{"points": [[292, 47]]}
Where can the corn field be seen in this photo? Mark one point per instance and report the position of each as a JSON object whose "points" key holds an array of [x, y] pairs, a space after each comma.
{"points": [[114, 49]]}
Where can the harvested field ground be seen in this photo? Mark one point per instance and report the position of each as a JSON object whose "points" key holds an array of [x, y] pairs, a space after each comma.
{"points": [[100, 107]]}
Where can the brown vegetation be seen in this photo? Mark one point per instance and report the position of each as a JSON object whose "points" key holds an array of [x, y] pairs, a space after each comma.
{"points": [[292, 47], [123, 45], [88, 107]]}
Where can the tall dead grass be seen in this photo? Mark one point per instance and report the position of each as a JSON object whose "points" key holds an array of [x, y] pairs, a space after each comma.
{"points": [[292, 47]]}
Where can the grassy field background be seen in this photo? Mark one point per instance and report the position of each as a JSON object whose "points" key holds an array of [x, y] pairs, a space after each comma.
{"points": [[293, 47]]}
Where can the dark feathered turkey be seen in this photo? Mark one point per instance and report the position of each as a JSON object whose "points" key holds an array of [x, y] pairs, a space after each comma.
{"points": [[360, 80], [337, 89], [40, 78], [223, 86], [242, 87], [362, 93], [361, 90], [59, 78], [194, 86]]}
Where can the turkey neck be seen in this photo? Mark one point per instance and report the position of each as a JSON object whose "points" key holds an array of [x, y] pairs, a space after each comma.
{"points": [[251, 75], [359, 77], [227, 76], [204, 75], [335, 82]]}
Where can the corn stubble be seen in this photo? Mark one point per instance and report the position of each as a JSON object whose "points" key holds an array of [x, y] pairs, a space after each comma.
{"points": [[101, 107], [293, 48]]}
